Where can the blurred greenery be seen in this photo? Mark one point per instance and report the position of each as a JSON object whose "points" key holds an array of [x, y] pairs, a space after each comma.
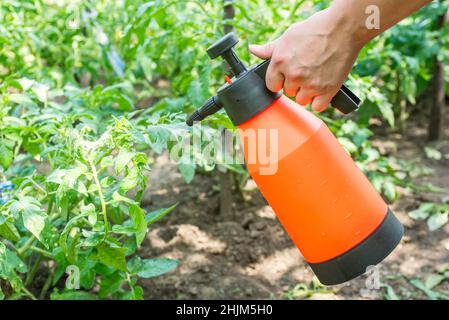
{"points": [[90, 89]]}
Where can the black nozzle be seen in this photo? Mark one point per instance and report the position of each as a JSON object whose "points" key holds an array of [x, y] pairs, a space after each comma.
{"points": [[210, 107], [224, 48]]}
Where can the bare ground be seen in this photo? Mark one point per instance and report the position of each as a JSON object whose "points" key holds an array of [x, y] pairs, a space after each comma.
{"points": [[251, 257]]}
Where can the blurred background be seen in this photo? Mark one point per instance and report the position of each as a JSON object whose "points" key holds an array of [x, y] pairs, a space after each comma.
{"points": [[93, 94]]}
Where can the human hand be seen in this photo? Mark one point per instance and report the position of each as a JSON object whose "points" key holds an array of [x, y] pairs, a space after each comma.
{"points": [[311, 60]]}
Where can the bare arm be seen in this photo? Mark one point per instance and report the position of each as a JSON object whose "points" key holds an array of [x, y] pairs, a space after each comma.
{"points": [[391, 12], [313, 57]]}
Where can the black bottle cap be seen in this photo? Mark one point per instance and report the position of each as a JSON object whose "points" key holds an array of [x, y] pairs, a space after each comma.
{"points": [[221, 46]]}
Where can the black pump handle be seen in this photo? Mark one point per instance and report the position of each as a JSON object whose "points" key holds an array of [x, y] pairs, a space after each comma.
{"points": [[345, 100]]}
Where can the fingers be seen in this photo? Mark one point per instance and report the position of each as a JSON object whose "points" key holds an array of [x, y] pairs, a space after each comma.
{"points": [[320, 103], [291, 87], [262, 51], [274, 79], [305, 96]]}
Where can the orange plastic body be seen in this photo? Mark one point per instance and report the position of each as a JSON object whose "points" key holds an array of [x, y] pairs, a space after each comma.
{"points": [[323, 200]]}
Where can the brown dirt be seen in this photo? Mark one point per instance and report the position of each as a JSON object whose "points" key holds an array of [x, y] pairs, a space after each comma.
{"points": [[252, 257]]}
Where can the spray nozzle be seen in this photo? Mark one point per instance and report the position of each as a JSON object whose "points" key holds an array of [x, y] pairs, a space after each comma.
{"points": [[224, 48], [210, 107]]}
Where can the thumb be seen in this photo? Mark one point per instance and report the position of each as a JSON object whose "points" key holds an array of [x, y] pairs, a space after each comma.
{"points": [[262, 51]]}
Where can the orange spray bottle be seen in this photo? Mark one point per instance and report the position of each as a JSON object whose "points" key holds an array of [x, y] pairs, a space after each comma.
{"points": [[338, 221]]}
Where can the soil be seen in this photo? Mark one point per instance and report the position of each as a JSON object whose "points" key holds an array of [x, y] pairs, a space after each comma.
{"points": [[251, 256]]}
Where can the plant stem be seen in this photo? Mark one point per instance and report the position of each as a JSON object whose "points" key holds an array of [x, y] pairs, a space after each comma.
{"points": [[32, 273], [128, 278], [50, 206], [47, 285], [38, 187], [50, 160], [101, 196], [26, 246], [28, 293], [42, 251]]}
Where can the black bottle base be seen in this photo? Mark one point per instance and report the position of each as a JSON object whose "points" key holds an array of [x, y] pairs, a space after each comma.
{"points": [[371, 251]]}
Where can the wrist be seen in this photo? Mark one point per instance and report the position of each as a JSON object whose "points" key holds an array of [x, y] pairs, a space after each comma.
{"points": [[351, 22]]}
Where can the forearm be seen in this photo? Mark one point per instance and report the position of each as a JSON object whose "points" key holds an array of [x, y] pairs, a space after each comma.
{"points": [[313, 57], [352, 15]]}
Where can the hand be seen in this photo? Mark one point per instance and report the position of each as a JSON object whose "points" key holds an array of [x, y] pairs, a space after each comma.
{"points": [[311, 59]]}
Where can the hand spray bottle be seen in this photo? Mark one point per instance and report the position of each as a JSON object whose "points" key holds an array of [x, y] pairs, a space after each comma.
{"points": [[335, 217]]}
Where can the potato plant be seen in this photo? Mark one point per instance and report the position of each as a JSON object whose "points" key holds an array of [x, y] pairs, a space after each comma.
{"points": [[72, 205], [91, 91]]}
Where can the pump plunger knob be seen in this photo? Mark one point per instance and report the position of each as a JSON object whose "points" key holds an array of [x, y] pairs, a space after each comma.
{"points": [[222, 45], [224, 48]]}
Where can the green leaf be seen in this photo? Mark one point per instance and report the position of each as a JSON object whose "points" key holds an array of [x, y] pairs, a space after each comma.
{"points": [[434, 280], [6, 156], [387, 112], [124, 102], [159, 138], [150, 268], [154, 216], [122, 159], [111, 256], [25, 83], [131, 180], [87, 272], [34, 218], [437, 220], [41, 91], [73, 295], [85, 211], [348, 145], [125, 228], [389, 190], [187, 171], [139, 223], [433, 295], [72, 250], [111, 283], [9, 231], [117, 197], [432, 153], [390, 294], [422, 212], [10, 264], [92, 239], [9, 261], [90, 212], [137, 293], [69, 178]]}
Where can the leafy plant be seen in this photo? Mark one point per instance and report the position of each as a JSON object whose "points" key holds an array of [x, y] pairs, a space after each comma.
{"points": [[92, 91], [426, 288], [304, 291], [82, 209], [436, 214]]}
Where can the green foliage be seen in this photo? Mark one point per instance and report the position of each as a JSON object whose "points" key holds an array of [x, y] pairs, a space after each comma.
{"points": [[90, 91], [396, 68], [78, 209], [436, 214], [304, 291]]}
